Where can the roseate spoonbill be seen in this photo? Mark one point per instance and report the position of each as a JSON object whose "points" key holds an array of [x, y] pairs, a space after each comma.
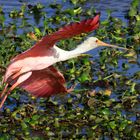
{"points": [[32, 70]]}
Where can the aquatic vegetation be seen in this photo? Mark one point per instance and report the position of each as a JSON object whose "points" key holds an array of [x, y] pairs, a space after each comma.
{"points": [[105, 103]]}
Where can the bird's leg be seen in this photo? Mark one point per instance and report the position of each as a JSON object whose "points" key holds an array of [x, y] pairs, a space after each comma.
{"points": [[20, 80], [20, 72], [16, 75], [8, 92], [4, 90], [12, 77]]}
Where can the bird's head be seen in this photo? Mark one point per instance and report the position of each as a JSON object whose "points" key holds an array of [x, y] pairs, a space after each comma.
{"points": [[95, 42]]}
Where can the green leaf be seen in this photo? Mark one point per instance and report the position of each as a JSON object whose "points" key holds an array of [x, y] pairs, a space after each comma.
{"points": [[24, 125], [122, 125], [106, 111], [37, 31], [84, 77], [112, 124]]}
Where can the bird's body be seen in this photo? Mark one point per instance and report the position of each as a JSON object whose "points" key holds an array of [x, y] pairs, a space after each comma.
{"points": [[32, 70], [52, 55]]}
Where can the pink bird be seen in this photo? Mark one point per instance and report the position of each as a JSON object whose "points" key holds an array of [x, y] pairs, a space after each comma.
{"points": [[32, 70]]}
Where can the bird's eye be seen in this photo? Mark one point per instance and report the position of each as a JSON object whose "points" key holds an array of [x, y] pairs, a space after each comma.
{"points": [[96, 41]]}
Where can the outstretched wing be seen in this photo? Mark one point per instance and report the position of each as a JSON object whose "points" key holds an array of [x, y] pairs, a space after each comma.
{"points": [[67, 31], [71, 30], [44, 83]]}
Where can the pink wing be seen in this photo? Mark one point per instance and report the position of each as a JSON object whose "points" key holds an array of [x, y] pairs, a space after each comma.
{"points": [[44, 83], [71, 30], [63, 33]]}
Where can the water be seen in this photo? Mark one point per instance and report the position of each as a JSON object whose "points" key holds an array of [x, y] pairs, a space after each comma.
{"points": [[118, 7]]}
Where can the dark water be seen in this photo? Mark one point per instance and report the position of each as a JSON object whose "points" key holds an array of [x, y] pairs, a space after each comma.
{"points": [[118, 7]]}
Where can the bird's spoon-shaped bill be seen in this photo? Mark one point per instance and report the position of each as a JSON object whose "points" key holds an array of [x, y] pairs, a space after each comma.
{"points": [[101, 43]]}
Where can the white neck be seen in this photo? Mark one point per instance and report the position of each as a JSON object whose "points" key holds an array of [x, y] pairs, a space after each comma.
{"points": [[82, 48]]}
